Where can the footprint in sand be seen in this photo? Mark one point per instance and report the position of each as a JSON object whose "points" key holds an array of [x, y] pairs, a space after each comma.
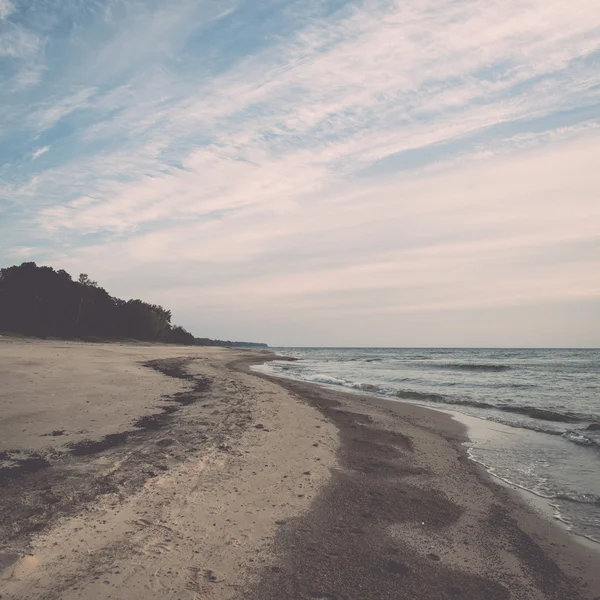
{"points": [[198, 576]]}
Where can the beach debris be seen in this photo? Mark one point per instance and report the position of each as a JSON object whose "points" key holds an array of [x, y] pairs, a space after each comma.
{"points": [[55, 433], [164, 442], [210, 575]]}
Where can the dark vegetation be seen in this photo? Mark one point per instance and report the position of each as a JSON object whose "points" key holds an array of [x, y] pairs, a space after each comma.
{"points": [[228, 344], [41, 302]]}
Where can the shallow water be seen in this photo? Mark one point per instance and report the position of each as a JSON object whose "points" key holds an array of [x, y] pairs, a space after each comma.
{"points": [[547, 398]]}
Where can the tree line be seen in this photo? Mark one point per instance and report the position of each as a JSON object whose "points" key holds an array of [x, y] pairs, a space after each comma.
{"points": [[41, 302]]}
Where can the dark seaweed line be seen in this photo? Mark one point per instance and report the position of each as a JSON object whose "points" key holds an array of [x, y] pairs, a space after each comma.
{"points": [[171, 368], [484, 367], [32, 464]]}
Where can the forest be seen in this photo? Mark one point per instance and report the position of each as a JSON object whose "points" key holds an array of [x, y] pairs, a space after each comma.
{"points": [[41, 302]]}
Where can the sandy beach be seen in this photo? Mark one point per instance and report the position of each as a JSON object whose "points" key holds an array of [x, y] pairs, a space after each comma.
{"points": [[147, 471]]}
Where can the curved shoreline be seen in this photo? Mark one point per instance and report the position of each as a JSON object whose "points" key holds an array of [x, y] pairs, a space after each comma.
{"points": [[260, 488], [562, 509], [550, 560]]}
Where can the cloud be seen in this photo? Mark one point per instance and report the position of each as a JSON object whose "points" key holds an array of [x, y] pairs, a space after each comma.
{"points": [[311, 154], [6, 8], [21, 51], [476, 235], [19, 44], [330, 91], [37, 153], [48, 115]]}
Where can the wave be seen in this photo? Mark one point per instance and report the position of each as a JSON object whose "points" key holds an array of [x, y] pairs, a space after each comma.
{"points": [[579, 438], [482, 367], [579, 498], [432, 397], [530, 411], [514, 386], [320, 378], [540, 413], [409, 395], [533, 412], [537, 413], [370, 387]]}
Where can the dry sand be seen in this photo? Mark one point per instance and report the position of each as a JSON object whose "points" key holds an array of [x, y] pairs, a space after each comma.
{"points": [[182, 511], [190, 477], [76, 390]]}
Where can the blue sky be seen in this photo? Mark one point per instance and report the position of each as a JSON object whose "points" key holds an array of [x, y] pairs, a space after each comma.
{"points": [[419, 172]]}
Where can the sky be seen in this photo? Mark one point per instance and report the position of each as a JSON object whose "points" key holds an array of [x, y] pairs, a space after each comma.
{"points": [[313, 172]]}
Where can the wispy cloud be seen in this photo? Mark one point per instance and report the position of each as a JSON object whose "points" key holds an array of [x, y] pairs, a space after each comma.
{"points": [[40, 151], [470, 224], [21, 50], [53, 110], [6, 8], [19, 44]]}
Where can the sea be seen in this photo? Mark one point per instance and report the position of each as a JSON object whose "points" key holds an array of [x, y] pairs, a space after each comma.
{"points": [[539, 410]]}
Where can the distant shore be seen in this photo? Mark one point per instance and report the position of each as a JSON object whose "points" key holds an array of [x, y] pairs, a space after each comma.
{"points": [[167, 471]]}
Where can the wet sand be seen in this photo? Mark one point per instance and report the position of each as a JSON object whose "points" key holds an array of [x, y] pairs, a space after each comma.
{"points": [[195, 478], [407, 515]]}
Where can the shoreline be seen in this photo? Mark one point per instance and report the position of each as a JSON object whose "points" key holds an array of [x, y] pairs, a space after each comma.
{"points": [[262, 488], [557, 548], [473, 425]]}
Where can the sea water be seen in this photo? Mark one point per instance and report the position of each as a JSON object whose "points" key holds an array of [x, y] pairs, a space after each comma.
{"points": [[546, 404]]}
